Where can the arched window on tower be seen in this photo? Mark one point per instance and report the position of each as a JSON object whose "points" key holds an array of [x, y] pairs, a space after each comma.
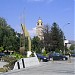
{"points": [[41, 23], [37, 23]]}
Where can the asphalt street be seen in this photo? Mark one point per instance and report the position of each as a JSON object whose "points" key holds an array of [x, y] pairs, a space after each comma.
{"points": [[47, 68], [2, 64]]}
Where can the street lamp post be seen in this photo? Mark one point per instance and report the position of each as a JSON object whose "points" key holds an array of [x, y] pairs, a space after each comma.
{"points": [[65, 41]]}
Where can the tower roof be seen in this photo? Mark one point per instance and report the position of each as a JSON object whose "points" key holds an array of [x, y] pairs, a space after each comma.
{"points": [[39, 21]]}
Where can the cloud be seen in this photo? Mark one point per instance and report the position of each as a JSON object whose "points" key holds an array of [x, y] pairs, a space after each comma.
{"points": [[32, 32], [34, 28]]}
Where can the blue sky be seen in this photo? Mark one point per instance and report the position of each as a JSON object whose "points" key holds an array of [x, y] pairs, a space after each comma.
{"points": [[59, 11]]}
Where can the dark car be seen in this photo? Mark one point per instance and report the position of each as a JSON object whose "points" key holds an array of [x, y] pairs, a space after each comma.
{"points": [[42, 58], [57, 56], [73, 55], [2, 54]]}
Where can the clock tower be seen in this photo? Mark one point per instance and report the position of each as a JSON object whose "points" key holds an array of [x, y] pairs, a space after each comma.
{"points": [[39, 29]]}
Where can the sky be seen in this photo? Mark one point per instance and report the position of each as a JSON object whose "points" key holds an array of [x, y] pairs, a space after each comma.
{"points": [[59, 11]]}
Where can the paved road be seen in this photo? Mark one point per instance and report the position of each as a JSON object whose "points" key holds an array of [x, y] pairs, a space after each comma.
{"points": [[2, 64], [48, 68]]}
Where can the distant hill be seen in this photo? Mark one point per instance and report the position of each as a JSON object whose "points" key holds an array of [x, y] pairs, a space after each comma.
{"points": [[72, 41]]}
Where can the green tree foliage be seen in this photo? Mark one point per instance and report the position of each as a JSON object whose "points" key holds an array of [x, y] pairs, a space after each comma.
{"points": [[9, 39], [57, 37], [44, 53], [47, 38], [72, 47], [36, 45], [3, 22], [1, 49], [53, 38]]}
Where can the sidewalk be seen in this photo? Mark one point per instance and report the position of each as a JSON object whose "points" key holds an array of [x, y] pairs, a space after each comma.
{"points": [[2, 64]]}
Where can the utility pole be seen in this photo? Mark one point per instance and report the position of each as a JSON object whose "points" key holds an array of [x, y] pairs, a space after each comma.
{"points": [[65, 41]]}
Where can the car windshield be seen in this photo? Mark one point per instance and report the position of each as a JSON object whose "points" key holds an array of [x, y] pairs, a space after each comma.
{"points": [[56, 54], [2, 54]]}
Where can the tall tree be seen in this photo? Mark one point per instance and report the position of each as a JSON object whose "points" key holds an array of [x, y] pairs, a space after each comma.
{"points": [[3, 22], [53, 38], [36, 45], [8, 38], [72, 47], [46, 33], [57, 38]]}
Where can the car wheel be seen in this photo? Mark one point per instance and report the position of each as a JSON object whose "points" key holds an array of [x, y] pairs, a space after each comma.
{"points": [[41, 60], [64, 59], [49, 59]]}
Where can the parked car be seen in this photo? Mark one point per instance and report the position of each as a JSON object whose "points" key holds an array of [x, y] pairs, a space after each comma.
{"points": [[73, 55], [57, 56], [2, 54], [42, 58]]}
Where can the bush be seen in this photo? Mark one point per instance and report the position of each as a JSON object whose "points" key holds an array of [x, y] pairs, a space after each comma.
{"points": [[44, 53], [1, 49], [4, 69], [11, 61], [17, 56], [57, 50], [8, 59]]}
